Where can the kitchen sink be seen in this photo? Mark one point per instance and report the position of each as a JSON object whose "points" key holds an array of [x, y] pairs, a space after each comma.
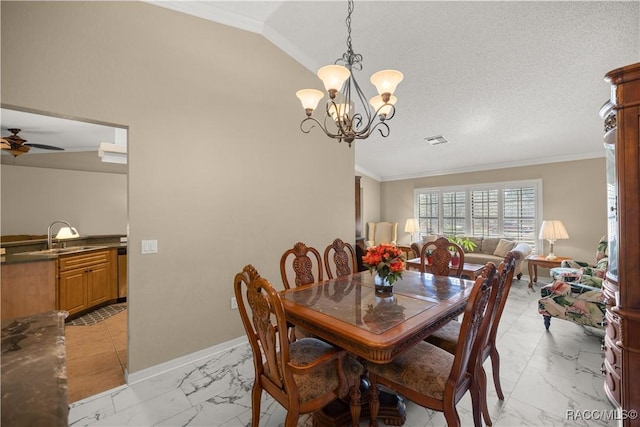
{"points": [[58, 251]]}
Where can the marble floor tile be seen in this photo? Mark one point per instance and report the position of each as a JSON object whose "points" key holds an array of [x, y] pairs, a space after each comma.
{"points": [[543, 374]]}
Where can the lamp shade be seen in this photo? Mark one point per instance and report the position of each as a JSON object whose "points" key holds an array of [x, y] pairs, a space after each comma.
{"points": [[333, 76], [377, 102], [553, 230], [411, 226], [386, 81], [67, 233], [309, 98]]}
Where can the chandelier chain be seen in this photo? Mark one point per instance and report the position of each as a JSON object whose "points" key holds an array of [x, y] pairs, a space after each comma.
{"points": [[349, 58]]}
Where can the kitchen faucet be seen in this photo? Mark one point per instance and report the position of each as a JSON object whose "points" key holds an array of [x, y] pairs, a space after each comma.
{"points": [[49, 237]]}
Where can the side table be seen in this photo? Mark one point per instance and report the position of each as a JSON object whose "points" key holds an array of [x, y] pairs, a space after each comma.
{"points": [[540, 260]]}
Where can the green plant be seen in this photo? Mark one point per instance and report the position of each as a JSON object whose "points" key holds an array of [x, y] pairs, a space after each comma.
{"points": [[465, 243]]}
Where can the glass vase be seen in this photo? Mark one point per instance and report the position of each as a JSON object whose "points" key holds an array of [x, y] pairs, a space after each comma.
{"points": [[382, 285]]}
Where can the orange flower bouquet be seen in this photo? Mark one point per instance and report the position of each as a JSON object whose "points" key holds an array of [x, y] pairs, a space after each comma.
{"points": [[387, 261]]}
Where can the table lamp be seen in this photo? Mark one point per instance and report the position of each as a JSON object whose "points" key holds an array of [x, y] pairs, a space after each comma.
{"points": [[411, 226], [552, 231]]}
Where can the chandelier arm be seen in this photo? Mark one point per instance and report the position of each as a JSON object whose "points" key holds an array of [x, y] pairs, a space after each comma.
{"points": [[390, 114], [343, 122], [321, 126], [365, 105], [381, 126]]}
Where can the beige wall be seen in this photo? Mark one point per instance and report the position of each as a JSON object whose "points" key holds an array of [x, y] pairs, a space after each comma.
{"points": [[219, 172], [95, 203], [574, 192]]}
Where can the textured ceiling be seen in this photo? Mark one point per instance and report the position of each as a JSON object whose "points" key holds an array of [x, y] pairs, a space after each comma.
{"points": [[507, 83]]}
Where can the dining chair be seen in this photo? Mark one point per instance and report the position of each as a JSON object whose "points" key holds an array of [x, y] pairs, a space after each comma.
{"points": [[441, 258], [304, 375], [434, 378], [448, 336], [344, 259], [304, 261]]}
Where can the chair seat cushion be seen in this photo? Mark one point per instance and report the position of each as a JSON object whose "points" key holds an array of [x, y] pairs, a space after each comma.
{"points": [[423, 368], [446, 337], [325, 378]]}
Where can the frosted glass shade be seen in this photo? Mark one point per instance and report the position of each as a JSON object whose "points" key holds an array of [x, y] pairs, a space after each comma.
{"points": [[377, 102], [333, 77], [309, 98], [386, 81]]}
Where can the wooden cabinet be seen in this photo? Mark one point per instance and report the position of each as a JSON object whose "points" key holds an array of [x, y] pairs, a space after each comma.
{"points": [[27, 288], [621, 288], [85, 280]]}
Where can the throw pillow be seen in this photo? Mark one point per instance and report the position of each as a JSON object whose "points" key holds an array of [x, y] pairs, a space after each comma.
{"points": [[504, 246], [429, 238]]}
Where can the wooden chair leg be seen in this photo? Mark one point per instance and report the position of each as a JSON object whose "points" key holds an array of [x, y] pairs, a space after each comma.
{"points": [[256, 396], [374, 402], [495, 368], [481, 380], [355, 405], [451, 415]]}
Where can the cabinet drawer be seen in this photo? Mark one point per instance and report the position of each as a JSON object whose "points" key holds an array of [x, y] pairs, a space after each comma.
{"points": [[612, 386], [83, 260], [613, 356]]}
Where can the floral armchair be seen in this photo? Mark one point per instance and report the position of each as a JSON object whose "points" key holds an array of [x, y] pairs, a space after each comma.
{"points": [[576, 293]]}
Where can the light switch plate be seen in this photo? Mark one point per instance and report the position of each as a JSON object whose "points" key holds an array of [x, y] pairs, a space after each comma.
{"points": [[149, 246]]}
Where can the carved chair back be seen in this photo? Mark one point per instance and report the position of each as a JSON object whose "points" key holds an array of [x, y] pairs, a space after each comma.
{"points": [[441, 258], [340, 257], [301, 262]]}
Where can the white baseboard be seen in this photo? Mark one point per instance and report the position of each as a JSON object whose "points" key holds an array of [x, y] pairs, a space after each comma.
{"points": [[144, 374]]}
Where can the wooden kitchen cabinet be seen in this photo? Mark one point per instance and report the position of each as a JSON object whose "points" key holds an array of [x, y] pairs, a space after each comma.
{"points": [[85, 281], [27, 288]]}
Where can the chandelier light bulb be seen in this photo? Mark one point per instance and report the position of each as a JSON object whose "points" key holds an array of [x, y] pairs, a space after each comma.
{"points": [[309, 99], [333, 77], [386, 81], [383, 108]]}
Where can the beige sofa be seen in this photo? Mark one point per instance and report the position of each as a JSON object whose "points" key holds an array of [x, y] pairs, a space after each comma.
{"points": [[487, 250]]}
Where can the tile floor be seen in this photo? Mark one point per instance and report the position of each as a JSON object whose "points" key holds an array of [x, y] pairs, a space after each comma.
{"points": [[544, 375]]}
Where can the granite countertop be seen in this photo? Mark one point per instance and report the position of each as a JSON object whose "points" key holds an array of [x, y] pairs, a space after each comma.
{"points": [[34, 377], [16, 250]]}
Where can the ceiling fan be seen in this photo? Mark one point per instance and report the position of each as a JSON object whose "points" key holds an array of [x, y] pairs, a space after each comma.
{"points": [[17, 146]]}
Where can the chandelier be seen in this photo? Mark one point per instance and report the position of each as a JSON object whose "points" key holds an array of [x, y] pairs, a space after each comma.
{"points": [[343, 120]]}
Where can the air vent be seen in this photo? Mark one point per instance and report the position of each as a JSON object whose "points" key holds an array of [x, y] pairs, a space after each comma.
{"points": [[437, 140]]}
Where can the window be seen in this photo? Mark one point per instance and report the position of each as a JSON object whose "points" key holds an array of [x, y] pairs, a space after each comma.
{"points": [[507, 209]]}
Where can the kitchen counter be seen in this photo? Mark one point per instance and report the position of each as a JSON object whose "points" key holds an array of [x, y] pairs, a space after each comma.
{"points": [[34, 377], [15, 248]]}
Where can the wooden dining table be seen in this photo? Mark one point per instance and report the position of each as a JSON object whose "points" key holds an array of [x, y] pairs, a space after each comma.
{"points": [[348, 313]]}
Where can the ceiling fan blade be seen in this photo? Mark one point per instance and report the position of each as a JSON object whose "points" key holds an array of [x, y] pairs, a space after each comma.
{"points": [[45, 147]]}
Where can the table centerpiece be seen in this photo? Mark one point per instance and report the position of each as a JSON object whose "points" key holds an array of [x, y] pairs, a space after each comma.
{"points": [[386, 262]]}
